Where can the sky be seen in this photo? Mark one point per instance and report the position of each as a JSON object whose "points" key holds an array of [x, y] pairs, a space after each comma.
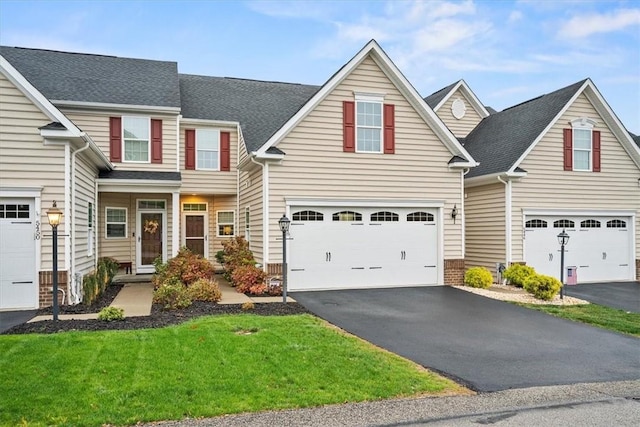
{"points": [[506, 51]]}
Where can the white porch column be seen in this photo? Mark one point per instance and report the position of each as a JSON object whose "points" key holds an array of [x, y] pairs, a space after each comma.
{"points": [[175, 223]]}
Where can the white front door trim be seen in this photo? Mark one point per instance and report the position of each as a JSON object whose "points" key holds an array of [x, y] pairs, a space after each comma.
{"points": [[145, 269]]}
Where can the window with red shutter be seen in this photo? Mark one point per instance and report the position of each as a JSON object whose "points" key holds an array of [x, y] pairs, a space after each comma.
{"points": [[348, 126], [190, 149], [596, 150], [225, 151], [389, 129], [568, 149], [156, 141], [115, 139]]}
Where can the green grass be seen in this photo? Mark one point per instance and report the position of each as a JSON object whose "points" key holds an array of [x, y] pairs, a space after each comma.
{"points": [[206, 367], [596, 315]]}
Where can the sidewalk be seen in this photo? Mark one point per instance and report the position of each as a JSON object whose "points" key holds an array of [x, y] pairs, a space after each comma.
{"points": [[136, 299]]}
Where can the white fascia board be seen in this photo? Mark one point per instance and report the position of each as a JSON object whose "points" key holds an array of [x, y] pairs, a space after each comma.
{"points": [[36, 97], [549, 126], [477, 181], [208, 122], [137, 186], [468, 93], [581, 212], [21, 191], [362, 203], [119, 107], [462, 165], [58, 133]]}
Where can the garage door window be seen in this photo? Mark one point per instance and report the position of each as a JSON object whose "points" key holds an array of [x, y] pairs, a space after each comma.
{"points": [[308, 216], [564, 223], [590, 223], [420, 217], [536, 223], [14, 211], [347, 216], [384, 216], [616, 223]]}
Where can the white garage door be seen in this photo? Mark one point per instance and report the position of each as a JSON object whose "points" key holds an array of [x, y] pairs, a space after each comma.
{"points": [[346, 248], [18, 289], [600, 247]]}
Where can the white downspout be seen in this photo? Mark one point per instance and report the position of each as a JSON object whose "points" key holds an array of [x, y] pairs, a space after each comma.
{"points": [[238, 181], [265, 212], [508, 219], [74, 289]]}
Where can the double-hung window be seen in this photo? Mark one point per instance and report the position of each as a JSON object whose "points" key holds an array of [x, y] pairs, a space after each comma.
{"points": [[226, 221], [582, 149], [135, 138], [116, 223], [369, 123], [207, 149]]}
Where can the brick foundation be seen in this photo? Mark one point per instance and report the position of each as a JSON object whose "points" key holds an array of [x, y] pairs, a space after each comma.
{"points": [[638, 270], [46, 282], [454, 271]]}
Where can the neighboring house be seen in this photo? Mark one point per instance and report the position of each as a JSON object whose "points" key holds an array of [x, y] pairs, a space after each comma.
{"points": [[559, 161], [143, 160]]}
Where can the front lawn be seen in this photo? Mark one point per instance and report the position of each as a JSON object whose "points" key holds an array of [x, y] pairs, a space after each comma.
{"points": [[206, 367], [596, 315]]}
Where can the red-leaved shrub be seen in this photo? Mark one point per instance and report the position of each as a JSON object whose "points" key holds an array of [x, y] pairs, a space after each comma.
{"points": [[185, 268], [249, 279]]}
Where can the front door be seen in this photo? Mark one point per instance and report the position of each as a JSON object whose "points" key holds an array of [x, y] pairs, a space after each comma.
{"points": [[195, 233], [151, 241]]}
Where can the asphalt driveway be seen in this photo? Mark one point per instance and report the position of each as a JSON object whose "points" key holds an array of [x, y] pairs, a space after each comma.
{"points": [[621, 295], [489, 345], [9, 319]]}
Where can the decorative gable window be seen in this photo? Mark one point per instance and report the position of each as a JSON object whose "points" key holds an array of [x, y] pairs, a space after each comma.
{"points": [[582, 146], [368, 125], [207, 149], [135, 139]]}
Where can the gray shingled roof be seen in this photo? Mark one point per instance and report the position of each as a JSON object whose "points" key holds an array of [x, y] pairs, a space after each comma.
{"points": [[141, 175], [636, 138], [96, 78], [435, 98], [501, 138], [261, 107]]}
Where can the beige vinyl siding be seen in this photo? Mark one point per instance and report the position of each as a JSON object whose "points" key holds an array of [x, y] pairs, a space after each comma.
{"points": [[124, 249], [316, 166], [485, 226], [25, 161], [459, 127], [85, 193], [96, 124], [547, 185], [251, 196], [207, 182], [242, 149]]}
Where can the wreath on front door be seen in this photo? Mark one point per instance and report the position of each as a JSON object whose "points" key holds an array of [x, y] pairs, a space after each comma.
{"points": [[151, 226]]}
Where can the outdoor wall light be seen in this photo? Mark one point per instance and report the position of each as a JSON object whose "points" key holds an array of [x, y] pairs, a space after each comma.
{"points": [[55, 218], [454, 213], [284, 223]]}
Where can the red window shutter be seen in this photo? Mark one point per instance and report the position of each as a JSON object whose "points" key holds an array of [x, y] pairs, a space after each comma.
{"points": [[348, 126], [596, 150], [225, 151], [190, 149], [156, 141], [115, 139], [389, 129], [568, 149]]}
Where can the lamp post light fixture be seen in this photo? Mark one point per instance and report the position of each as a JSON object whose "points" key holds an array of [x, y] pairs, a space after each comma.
{"points": [[55, 218], [563, 239], [284, 223]]}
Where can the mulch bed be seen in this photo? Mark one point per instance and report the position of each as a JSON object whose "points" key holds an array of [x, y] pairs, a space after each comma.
{"points": [[158, 318], [105, 300]]}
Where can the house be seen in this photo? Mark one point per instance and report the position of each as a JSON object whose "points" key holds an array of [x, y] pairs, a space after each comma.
{"points": [[143, 160], [561, 161]]}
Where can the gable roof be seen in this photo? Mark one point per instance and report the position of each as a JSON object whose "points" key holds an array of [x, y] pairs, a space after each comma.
{"points": [[87, 78], [636, 138], [439, 98], [375, 52], [501, 141], [260, 107]]}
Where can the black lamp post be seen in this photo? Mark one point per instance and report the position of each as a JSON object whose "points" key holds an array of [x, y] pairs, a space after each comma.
{"points": [[563, 239], [284, 223], [55, 217]]}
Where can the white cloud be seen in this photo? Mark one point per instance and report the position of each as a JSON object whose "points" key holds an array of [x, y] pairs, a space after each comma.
{"points": [[581, 26], [292, 9], [515, 16]]}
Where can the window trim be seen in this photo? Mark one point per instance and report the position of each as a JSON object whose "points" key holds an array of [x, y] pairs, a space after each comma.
{"points": [[217, 131], [106, 222], [247, 223], [590, 223], [582, 124], [384, 216], [369, 98], [232, 223], [316, 217], [416, 216], [205, 204], [616, 223], [338, 216], [560, 223], [124, 140]]}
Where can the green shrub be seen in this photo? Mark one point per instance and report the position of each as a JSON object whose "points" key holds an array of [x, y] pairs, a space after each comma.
{"points": [[204, 290], [542, 287], [109, 314], [478, 277], [89, 288], [111, 267], [517, 274], [220, 257], [172, 297], [95, 283], [186, 267], [236, 253], [250, 279]]}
